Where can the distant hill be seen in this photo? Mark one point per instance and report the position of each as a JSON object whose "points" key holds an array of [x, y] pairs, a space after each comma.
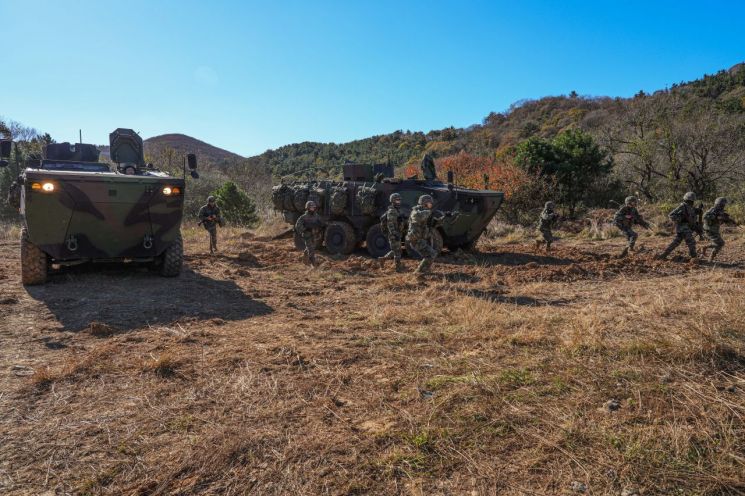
{"points": [[158, 146], [182, 144]]}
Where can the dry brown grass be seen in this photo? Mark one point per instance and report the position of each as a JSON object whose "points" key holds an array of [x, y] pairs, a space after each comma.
{"points": [[360, 381]]}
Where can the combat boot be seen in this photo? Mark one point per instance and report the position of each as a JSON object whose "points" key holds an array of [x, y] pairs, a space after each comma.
{"points": [[423, 267], [399, 267], [624, 252], [538, 244], [713, 254]]}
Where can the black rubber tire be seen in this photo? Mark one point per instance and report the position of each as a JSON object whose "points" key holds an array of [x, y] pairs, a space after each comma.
{"points": [[300, 243], [339, 238], [470, 246], [33, 262], [376, 242], [173, 258], [437, 244]]}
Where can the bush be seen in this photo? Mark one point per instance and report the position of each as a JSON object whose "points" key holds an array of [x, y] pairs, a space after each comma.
{"points": [[235, 205]]}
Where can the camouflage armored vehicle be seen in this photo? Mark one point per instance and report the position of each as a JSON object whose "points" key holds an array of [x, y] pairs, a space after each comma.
{"points": [[352, 208], [76, 209]]}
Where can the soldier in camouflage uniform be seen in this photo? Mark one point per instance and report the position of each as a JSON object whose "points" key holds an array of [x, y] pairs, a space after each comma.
{"points": [[625, 218], [209, 218], [685, 218], [421, 223], [393, 225], [545, 224], [309, 227], [428, 168], [713, 219]]}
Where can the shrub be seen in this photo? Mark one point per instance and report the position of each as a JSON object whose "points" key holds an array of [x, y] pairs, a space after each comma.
{"points": [[235, 205]]}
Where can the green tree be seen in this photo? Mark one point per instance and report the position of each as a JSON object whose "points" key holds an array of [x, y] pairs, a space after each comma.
{"points": [[235, 205], [572, 159]]}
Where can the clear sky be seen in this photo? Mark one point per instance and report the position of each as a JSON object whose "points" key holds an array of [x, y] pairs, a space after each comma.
{"points": [[248, 76]]}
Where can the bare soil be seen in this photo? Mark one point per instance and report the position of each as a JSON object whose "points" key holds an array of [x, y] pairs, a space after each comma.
{"points": [[252, 373]]}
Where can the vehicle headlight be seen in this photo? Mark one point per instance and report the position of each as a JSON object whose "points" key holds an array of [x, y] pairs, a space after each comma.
{"points": [[171, 190], [45, 187]]}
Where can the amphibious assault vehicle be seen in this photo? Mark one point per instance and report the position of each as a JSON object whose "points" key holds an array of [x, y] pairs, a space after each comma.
{"points": [[352, 208], [76, 209]]}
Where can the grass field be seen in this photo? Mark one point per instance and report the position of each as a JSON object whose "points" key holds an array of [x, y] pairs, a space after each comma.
{"points": [[512, 372]]}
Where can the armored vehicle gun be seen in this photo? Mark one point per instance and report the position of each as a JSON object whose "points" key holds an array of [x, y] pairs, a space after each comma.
{"points": [[76, 209], [352, 208]]}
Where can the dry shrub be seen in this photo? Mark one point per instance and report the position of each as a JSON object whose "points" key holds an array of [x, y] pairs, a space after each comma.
{"points": [[43, 377], [101, 330], [10, 230], [165, 365]]}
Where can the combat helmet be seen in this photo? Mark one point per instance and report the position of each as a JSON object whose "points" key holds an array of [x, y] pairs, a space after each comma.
{"points": [[310, 204], [549, 205], [689, 197], [394, 197], [210, 199], [720, 202], [425, 199], [629, 200]]}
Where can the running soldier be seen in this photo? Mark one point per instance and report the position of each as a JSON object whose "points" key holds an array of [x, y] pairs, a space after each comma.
{"points": [[546, 223], [685, 217], [421, 223], [393, 224], [625, 218], [309, 227], [713, 219], [209, 218]]}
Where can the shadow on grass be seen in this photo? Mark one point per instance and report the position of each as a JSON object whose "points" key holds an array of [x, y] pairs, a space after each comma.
{"points": [[500, 297], [126, 298]]}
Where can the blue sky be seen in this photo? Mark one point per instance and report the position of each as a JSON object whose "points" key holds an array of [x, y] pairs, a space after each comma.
{"points": [[248, 76]]}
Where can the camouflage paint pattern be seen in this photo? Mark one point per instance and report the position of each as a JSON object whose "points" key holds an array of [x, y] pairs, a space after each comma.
{"points": [[476, 207], [111, 216]]}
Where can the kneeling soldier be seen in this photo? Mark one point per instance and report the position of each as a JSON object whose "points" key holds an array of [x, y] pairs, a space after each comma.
{"points": [[625, 218]]}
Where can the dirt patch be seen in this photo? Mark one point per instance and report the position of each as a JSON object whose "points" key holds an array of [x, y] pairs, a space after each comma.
{"points": [[253, 372]]}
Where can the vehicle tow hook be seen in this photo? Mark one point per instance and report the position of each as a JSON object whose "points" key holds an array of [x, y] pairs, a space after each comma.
{"points": [[72, 243], [147, 243]]}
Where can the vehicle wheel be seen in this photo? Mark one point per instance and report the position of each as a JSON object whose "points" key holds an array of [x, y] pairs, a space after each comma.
{"points": [[376, 242], [437, 244], [469, 246], [173, 258], [33, 262], [339, 238], [300, 244]]}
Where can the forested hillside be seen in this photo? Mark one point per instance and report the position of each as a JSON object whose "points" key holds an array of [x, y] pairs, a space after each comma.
{"points": [[690, 136], [687, 137]]}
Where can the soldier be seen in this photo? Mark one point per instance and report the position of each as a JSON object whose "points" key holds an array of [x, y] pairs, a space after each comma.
{"points": [[421, 222], [713, 218], [545, 223], [393, 223], [686, 223], [625, 218], [428, 168], [209, 217], [309, 227]]}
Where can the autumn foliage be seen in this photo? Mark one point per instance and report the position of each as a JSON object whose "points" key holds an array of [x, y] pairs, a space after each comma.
{"points": [[469, 172]]}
